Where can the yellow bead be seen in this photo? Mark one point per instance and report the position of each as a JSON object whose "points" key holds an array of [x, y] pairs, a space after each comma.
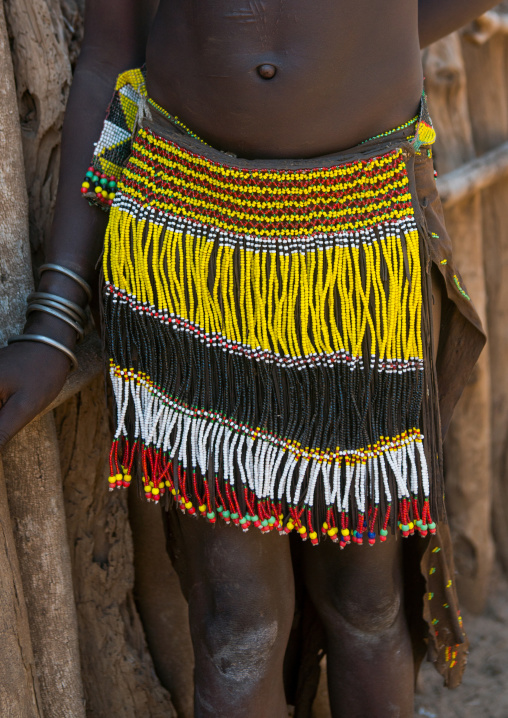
{"points": [[112, 479], [155, 491], [345, 532], [313, 535], [146, 489], [202, 508], [333, 532], [302, 530], [188, 505]]}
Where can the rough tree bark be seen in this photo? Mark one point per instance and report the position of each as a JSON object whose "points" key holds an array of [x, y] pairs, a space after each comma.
{"points": [[19, 690], [117, 669]]}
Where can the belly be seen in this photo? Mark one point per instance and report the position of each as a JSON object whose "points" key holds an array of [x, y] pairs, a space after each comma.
{"points": [[286, 78]]}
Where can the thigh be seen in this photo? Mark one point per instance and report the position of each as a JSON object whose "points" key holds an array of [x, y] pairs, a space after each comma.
{"points": [[238, 585], [205, 554]]}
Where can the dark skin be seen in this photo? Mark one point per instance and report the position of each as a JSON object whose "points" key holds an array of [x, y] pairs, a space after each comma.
{"points": [[272, 79]]}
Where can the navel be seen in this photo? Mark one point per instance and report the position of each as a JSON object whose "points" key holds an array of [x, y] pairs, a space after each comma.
{"points": [[266, 71]]}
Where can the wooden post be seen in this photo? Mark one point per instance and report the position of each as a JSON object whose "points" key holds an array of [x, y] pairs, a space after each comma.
{"points": [[117, 668], [19, 686], [19, 689], [30, 461]]}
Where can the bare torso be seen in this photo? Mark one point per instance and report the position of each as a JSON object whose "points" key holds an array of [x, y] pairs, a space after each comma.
{"points": [[341, 71]]}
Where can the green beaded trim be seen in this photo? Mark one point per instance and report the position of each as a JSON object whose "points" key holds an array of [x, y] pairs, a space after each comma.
{"points": [[390, 132], [175, 120], [460, 288]]}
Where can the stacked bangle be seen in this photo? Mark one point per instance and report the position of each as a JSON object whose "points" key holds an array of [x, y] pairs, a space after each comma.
{"points": [[54, 300], [61, 308], [68, 273], [54, 311], [46, 340]]}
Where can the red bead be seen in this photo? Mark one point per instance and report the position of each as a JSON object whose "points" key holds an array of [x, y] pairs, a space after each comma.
{"points": [[84, 190]]}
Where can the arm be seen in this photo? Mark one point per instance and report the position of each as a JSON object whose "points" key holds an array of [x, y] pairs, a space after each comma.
{"points": [[437, 18], [32, 374]]}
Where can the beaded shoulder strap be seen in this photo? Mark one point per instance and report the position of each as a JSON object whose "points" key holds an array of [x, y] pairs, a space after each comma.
{"points": [[114, 145]]}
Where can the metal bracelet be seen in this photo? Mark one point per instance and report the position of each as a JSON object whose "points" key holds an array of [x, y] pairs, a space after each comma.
{"points": [[69, 273], [59, 315], [46, 340], [59, 307], [80, 313]]}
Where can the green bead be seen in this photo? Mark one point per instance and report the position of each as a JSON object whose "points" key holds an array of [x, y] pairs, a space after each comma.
{"points": [[234, 516], [219, 509], [103, 181], [272, 520], [242, 521], [89, 174], [383, 532], [424, 527], [225, 514], [432, 525], [405, 527], [95, 179], [264, 522], [419, 523], [210, 515], [112, 184], [254, 518]]}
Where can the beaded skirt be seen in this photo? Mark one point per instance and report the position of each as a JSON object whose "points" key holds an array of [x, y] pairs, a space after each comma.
{"points": [[269, 329]]}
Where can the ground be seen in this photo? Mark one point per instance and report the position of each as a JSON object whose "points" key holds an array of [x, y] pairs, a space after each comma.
{"points": [[484, 690]]}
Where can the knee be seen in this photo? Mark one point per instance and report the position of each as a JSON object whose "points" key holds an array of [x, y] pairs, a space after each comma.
{"points": [[241, 635], [371, 611]]}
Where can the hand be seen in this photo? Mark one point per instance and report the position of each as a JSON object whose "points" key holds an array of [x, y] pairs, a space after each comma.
{"points": [[31, 376]]}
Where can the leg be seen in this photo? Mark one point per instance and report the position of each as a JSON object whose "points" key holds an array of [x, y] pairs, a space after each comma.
{"points": [[241, 602], [160, 603], [358, 593]]}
